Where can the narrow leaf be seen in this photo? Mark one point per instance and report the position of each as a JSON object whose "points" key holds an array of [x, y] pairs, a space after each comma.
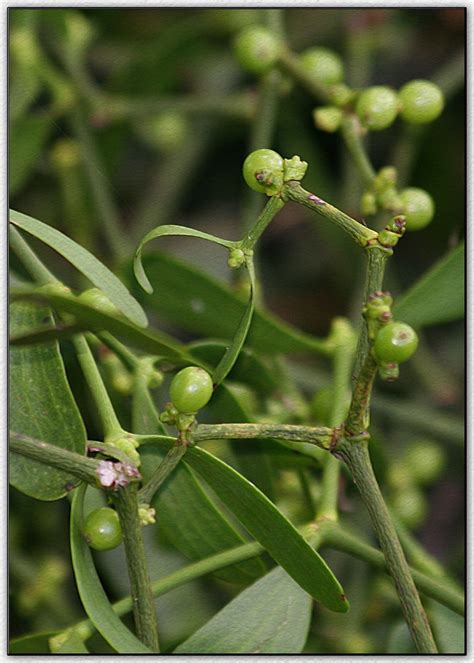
{"points": [[268, 525], [449, 629], [438, 296], [167, 231], [91, 319], [200, 304], [86, 263], [41, 406], [93, 597], [228, 360], [270, 617]]}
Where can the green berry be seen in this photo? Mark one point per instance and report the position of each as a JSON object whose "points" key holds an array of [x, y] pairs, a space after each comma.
{"points": [[263, 171], [327, 118], [166, 131], [257, 49], [95, 298], [340, 94], [410, 506], [102, 529], [377, 107], [395, 342], [368, 203], [323, 65], [418, 208], [191, 389], [426, 461], [421, 102]]}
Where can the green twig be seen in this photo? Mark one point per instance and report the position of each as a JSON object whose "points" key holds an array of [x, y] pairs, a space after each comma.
{"points": [[359, 233], [351, 130], [343, 337], [63, 459], [273, 206], [356, 456], [320, 437], [339, 538], [164, 469], [126, 501], [110, 423]]}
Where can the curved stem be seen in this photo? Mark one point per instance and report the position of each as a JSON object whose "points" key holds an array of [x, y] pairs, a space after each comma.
{"points": [[352, 133], [110, 423], [356, 457], [359, 233], [273, 206], [164, 469]]}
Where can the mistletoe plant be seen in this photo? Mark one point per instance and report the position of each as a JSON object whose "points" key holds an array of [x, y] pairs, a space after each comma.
{"points": [[150, 463]]}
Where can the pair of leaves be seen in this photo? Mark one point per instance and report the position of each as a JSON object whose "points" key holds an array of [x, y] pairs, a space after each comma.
{"points": [[240, 334], [86, 263], [268, 526], [41, 406]]}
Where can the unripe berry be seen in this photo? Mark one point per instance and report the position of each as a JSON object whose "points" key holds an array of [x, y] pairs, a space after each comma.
{"points": [[166, 131], [421, 102], [102, 529], [418, 208], [377, 107], [327, 118], [323, 65], [395, 342], [426, 461], [191, 389], [368, 203], [263, 171], [257, 49], [410, 506]]}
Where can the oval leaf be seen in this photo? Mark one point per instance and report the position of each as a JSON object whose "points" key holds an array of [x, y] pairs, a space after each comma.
{"points": [[41, 406], [200, 304], [438, 296], [93, 597], [168, 231], [270, 617], [86, 263]]}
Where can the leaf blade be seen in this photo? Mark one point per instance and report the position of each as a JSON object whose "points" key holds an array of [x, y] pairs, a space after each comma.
{"points": [[86, 263], [41, 406], [438, 296], [169, 231], [263, 520], [270, 617]]}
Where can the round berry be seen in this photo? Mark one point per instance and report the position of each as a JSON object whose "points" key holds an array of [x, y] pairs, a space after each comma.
{"points": [[257, 49], [327, 118], [418, 208], [395, 342], [191, 389], [377, 107], [263, 171], [102, 529], [167, 131], [426, 461], [421, 102], [323, 65], [410, 507]]}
